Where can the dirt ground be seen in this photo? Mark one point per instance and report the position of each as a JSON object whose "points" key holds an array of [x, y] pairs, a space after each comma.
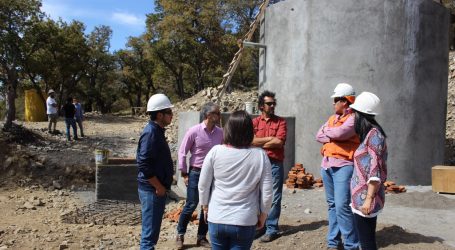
{"points": [[57, 177]]}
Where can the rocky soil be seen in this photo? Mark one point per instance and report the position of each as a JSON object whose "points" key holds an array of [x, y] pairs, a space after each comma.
{"points": [[450, 125]]}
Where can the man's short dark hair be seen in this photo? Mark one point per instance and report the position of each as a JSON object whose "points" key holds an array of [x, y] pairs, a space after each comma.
{"points": [[262, 97], [154, 114], [238, 130]]}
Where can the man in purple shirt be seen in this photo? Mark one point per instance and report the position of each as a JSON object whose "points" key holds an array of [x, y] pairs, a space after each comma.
{"points": [[198, 140]]}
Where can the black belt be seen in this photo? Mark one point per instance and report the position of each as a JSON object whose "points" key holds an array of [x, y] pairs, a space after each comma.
{"points": [[195, 169]]}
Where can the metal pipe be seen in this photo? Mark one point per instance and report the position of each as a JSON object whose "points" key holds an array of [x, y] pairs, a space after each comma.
{"points": [[251, 44]]}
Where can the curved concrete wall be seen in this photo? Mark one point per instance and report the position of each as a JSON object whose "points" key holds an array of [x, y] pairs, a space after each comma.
{"points": [[397, 49]]}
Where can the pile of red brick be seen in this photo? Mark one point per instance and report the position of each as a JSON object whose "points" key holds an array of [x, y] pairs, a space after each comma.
{"points": [[174, 215], [391, 187], [298, 178]]}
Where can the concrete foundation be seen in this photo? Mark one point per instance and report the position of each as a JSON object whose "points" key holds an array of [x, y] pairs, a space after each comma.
{"points": [[397, 49], [189, 119], [117, 180]]}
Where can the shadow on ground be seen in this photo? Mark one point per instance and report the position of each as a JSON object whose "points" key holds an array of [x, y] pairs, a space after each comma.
{"points": [[393, 235], [315, 225]]}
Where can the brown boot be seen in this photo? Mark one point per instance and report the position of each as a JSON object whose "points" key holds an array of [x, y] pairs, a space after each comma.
{"points": [[203, 242], [179, 241]]}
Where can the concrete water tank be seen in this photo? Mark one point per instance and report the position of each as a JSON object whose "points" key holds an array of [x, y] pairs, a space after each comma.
{"points": [[397, 49]]}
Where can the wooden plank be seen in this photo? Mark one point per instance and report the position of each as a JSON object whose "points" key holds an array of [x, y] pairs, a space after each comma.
{"points": [[443, 179]]}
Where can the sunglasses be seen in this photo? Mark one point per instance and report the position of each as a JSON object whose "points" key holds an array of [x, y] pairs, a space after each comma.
{"points": [[168, 112], [270, 103], [337, 99]]}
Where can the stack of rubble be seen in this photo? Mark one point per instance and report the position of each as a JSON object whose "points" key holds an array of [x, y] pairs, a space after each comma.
{"points": [[318, 183], [174, 215], [298, 178], [450, 118], [391, 187], [230, 102]]}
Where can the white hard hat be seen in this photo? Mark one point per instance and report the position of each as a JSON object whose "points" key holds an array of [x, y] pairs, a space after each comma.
{"points": [[343, 89], [158, 102], [366, 103], [50, 91]]}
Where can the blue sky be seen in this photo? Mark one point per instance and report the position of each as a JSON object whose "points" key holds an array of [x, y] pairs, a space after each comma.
{"points": [[126, 18]]}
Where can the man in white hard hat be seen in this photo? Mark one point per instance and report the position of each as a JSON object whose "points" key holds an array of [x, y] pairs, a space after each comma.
{"points": [[339, 144], [155, 169], [51, 110]]}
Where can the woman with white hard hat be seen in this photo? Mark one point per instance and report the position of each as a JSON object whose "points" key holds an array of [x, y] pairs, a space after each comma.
{"points": [[339, 144], [370, 170], [155, 169]]}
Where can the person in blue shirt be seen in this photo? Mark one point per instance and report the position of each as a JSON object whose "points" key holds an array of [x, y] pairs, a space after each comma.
{"points": [[79, 116], [155, 169]]}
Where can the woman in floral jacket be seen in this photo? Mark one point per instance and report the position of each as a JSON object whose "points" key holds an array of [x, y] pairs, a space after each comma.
{"points": [[370, 170]]}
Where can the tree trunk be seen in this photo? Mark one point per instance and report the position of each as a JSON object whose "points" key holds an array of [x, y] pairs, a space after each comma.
{"points": [[10, 106], [150, 88], [179, 82], [11, 87], [60, 99], [138, 96], [88, 105]]}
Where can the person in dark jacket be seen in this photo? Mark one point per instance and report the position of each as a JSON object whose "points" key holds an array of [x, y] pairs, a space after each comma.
{"points": [[69, 110], [155, 169]]}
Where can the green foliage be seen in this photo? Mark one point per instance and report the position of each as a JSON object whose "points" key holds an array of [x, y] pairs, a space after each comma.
{"points": [[187, 46], [194, 41], [18, 19]]}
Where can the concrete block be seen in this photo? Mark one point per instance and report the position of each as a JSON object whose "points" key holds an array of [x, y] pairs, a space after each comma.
{"points": [[117, 180], [186, 121]]}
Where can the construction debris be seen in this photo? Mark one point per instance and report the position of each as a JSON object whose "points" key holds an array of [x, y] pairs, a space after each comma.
{"points": [[174, 215], [229, 103], [391, 187], [298, 178]]}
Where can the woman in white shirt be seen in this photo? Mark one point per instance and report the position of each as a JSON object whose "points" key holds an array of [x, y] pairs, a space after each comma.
{"points": [[235, 186]]}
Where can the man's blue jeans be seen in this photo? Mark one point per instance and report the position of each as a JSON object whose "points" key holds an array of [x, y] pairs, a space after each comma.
{"points": [[70, 122], [224, 236], [192, 200], [274, 214], [338, 195], [152, 215]]}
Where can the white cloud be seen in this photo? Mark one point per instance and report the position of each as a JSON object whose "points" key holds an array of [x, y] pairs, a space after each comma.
{"points": [[128, 19]]}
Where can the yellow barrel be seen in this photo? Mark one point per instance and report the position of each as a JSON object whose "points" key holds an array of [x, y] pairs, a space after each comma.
{"points": [[101, 156], [35, 109]]}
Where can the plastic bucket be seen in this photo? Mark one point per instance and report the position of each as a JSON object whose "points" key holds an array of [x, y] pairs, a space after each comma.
{"points": [[101, 156], [249, 107]]}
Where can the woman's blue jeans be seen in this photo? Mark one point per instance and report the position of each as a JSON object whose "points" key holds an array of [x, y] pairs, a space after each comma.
{"points": [[366, 229], [224, 237], [152, 215], [338, 195]]}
